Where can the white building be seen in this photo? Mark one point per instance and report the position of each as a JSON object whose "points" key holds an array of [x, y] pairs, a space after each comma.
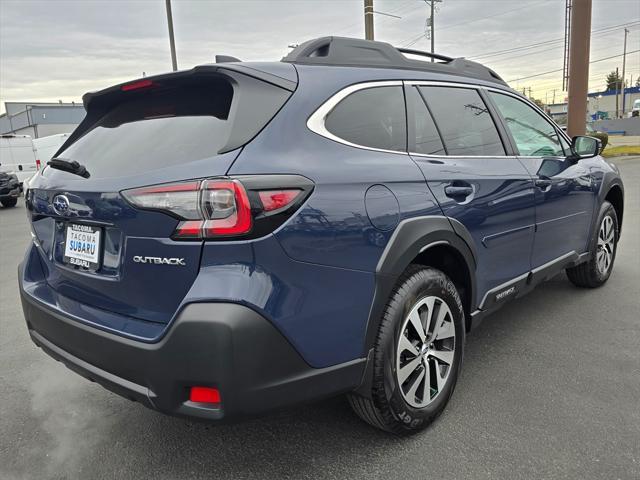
{"points": [[602, 105], [40, 119]]}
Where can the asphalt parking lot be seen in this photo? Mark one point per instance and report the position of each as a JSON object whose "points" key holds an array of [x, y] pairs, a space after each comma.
{"points": [[550, 389]]}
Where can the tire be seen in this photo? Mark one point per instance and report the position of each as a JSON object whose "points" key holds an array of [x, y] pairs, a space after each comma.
{"points": [[10, 202], [428, 295], [603, 246]]}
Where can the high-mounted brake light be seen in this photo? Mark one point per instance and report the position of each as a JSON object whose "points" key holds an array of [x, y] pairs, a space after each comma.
{"points": [[139, 85]]}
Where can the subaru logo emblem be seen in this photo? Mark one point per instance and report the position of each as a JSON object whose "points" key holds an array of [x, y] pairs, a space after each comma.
{"points": [[61, 204]]}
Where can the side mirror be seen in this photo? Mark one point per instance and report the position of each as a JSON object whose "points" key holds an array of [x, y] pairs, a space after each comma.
{"points": [[585, 147]]}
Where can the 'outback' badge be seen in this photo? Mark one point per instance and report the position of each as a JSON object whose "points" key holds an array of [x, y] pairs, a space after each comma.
{"points": [[160, 260]]}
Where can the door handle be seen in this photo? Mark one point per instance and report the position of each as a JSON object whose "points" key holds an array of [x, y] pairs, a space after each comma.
{"points": [[543, 183], [456, 191]]}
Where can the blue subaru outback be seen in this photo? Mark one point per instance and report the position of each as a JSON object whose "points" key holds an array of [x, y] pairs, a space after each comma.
{"points": [[238, 237]]}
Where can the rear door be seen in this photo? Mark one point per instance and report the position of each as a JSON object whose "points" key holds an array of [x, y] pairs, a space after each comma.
{"points": [[478, 185], [565, 190], [100, 250]]}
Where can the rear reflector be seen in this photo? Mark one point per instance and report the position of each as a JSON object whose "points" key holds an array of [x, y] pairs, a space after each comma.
{"points": [[204, 395], [139, 85]]}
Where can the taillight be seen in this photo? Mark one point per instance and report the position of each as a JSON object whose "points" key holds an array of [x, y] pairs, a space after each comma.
{"points": [[226, 207], [38, 164], [277, 199], [223, 208]]}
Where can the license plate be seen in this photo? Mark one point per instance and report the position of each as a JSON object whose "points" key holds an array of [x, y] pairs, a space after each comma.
{"points": [[82, 246]]}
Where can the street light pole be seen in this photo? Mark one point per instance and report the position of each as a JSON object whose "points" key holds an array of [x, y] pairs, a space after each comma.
{"points": [[172, 42]]}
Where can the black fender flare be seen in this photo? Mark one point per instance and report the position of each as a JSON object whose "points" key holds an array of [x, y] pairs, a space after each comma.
{"points": [[611, 179], [411, 237]]}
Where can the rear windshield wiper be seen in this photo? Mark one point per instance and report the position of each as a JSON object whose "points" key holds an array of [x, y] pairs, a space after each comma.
{"points": [[69, 166]]}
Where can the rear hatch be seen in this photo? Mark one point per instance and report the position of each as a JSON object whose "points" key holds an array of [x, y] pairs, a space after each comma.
{"points": [[98, 248]]}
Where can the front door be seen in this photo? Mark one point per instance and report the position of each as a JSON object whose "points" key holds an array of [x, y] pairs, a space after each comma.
{"points": [[456, 144], [565, 192]]}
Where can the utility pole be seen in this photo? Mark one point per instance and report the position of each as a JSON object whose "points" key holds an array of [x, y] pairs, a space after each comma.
{"points": [[567, 32], [172, 42], [432, 23], [624, 64], [617, 93], [580, 38], [368, 19]]}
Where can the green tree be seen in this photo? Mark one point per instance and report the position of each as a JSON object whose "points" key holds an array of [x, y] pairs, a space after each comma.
{"points": [[614, 81], [538, 102]]}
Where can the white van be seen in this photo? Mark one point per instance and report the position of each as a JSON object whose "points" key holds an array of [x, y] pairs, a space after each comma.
{"points": [[18, 156], [46, 147]]}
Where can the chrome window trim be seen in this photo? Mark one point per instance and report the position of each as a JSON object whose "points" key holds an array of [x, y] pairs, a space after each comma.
{"points": [[316, 122]]}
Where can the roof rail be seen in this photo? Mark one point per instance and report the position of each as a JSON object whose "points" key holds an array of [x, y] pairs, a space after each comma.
{"points": [[435, 56], [356, 52]]}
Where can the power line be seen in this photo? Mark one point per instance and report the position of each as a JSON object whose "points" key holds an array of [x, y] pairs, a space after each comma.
{"points": [[414, 40], [545, 42], [520, 55], [559, 70]]}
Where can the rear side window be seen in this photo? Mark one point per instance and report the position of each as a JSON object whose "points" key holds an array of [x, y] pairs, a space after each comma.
{"points": [[373, 117], [533, 134], [193, 120], [464, 121], [427, 138]]}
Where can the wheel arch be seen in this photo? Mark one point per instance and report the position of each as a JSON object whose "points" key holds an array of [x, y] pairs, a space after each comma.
{"points": [[615, 196], [435, 241]]}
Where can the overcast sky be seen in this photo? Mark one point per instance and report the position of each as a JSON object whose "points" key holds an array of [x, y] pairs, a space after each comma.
{"points": [[51, 50]]}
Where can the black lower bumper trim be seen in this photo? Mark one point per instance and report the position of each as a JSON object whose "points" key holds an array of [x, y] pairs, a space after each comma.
{"points": [[222, 345]]}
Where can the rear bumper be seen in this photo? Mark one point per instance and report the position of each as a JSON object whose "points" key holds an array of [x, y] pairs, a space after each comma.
{"points": [[222, 345]]}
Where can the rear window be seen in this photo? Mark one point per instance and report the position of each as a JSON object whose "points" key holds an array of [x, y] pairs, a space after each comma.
{"points": [[169, 126]]}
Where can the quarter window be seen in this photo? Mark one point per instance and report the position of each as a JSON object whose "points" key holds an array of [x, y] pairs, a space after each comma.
{"points": [[373, 117], [533, 134], [464, 121]]}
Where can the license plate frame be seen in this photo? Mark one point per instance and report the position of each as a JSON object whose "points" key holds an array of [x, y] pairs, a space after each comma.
{"points": [[81, 246]]}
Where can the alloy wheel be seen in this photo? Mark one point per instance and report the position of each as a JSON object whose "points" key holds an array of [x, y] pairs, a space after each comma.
{"points": [[425, 351], [606, 244]]}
